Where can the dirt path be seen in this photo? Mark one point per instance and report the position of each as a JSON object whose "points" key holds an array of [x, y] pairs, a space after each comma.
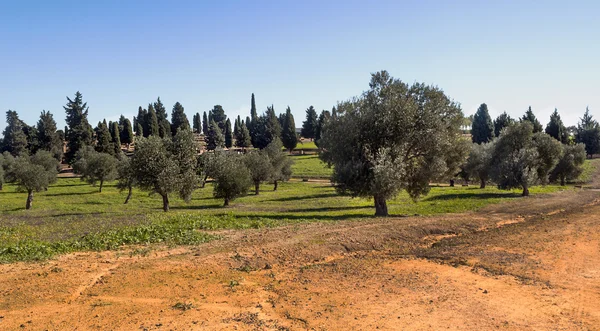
{"points": [[531, 263]]}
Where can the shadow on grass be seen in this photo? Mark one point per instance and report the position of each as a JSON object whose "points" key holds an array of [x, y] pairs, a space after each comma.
{"points": [[203, 207], [326, 209], [482, 196], [68, 193], [285, 216], [307, 197]]}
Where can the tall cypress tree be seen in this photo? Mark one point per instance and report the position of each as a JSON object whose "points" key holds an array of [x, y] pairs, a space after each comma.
{"points": [[323, 118], [288, 133], [116, 139], [48, 138], [103, 139], [126, 133], [588, 133], [178, 119], [214, 139], [164, 126], [243, 140], [309, 126], [556, 128], [152, 120], [482, 129], [530, 117], [197, 122], [80, 132], [218, 115], [272, 126], [252, 122], [141, 121], [501, 122], [205, 123], [15, 140], [228, 134]]}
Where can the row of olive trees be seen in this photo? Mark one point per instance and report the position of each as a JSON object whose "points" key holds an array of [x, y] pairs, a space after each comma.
{"points": [[520, 158], [168, 166]]}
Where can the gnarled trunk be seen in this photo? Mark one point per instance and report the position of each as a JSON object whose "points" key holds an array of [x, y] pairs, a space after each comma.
{"points": [[380, 206], [101, 184], [275, 185], [204, 181], [165, 202], [29, 199], [525, 191], [562, 181], [256, 187], [482, 183], [128, 195], [226, 202]]}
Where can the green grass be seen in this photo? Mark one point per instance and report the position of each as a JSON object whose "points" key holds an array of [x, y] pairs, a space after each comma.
{"points": [[309, 166], [307, 145], [73, 216], [589, 169]]}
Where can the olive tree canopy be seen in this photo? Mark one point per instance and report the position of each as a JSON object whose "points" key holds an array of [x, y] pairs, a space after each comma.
{"points": [[392, 137]]}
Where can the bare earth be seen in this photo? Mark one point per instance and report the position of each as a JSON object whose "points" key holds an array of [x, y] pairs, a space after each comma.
{"points": [[531, 263]]}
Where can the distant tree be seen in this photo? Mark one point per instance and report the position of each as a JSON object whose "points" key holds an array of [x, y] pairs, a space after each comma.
{"points": [[116, 139], [178, 119], [218, 115], [501, 122], [139, 130], [570, 164], [14, 139], [549, 150], [588, 133], [152, 120], [309, 126], [253, 122], [323, 118], [231, 177], [260, 168], [80, 133], [530, 117], [288, 133], [281, 164], [478, 164], [268, 128], [197, 121], [103, 139], [556, 129], [404, 148], [164, 127], [243, 140], [228, 134], [482, 129], [126, 135], [32, 138], [142, 122], [215, 138], [205, 123], [160, 168], [96, 167], [8, 162], [34, 174]]}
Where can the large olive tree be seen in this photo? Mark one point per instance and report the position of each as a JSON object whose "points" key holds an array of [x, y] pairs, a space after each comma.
{"points": [[392, 137], [34, 173]]}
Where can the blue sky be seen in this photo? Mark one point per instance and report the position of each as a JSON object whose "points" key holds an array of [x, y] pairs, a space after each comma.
{"points": [[123, 54]]}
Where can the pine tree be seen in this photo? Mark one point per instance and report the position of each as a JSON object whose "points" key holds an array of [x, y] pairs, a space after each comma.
{"points": [[15, 140], [530, 117], [116, 139], [178, 119], [214, 139], [556, 128], [228, 134], [309, 126], [482, 129], [501, 122], [164, 127], [48, 137], [588, 133], [103, 139], [197, 123], [80, 132], [288, 133], [32, 138], [152, 120], [205, 124]]}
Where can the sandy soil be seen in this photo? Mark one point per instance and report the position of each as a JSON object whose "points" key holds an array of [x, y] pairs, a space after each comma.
{"points": [[531, 263]]}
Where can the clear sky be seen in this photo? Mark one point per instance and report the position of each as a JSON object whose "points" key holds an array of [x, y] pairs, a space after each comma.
{"points": [[123, 54]]}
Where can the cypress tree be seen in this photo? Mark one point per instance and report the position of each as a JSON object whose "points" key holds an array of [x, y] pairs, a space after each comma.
{"points": [[116, 139], [126, 133], [228, 134], [243, 140], [323, 117], [15, 140], [288, 133], [139, 130], [218, 115], [482, 129], [141, 121], [80, 133], [48, 137], [309, 126], [103, 139], [152, 120], [214, 139], [272, 126], [205, 123], [197, 123], [178, 119], [530, 117], [556, 128], [164, 127], [588, 133], [501, 122]]}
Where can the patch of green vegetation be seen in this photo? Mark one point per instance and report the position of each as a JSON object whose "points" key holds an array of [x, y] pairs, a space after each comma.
{"points": [[309, 166], [589, 169], [73, 216], [183, 306], [307, 145]]}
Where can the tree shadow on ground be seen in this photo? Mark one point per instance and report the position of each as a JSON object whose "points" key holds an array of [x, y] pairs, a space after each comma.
{"points": [[284, 216], [326, 209], [202, 207], [67, 193], [482, 196], [306, 197]]}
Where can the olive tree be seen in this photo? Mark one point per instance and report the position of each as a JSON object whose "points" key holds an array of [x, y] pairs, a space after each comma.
{"points": [[34, 173], [125, 177], [569, 165], [231, 177], [281, 164], [392, 137], [519, 160], [95, 167], [260, 167], [165, 166], [478, 164]]}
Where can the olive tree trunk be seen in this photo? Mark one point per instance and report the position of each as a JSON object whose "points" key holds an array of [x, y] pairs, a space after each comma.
{"points": [[525, 191], [225, 202], [256, 187], [562, 181], [165, 202], [29, 199], [101, 184], [380, 206], [128, 195], [482, 183], [275, 185]]}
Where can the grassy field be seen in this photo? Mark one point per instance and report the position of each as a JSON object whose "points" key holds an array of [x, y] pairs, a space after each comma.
{"points": [[309, 166], [590, 167], [73, 216], [307, 145]]}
